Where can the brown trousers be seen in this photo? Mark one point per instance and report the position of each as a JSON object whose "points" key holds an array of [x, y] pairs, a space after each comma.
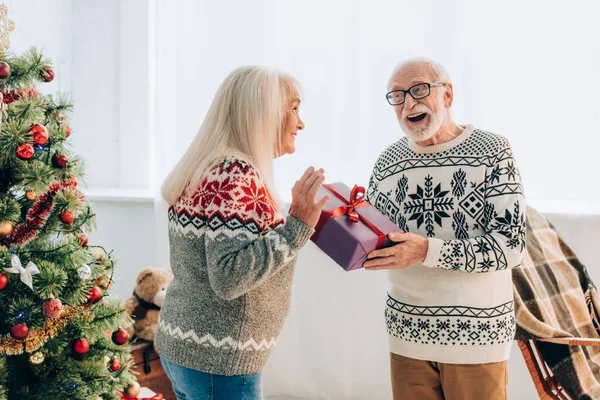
{"points": [[426, 380]]}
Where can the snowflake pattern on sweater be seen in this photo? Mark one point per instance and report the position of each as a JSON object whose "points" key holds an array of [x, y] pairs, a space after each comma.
{"points": [[466, 197], [229, 196]]}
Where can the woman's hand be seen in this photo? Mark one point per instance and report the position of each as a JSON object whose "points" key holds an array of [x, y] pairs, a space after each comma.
{"points": [[304, 195]]}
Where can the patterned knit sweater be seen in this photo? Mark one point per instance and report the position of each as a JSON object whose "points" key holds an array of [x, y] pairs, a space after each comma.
{"points": [[466, 196], [233, 260]]}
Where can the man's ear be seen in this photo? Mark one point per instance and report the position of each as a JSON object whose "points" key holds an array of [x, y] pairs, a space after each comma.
{"points": [[448, 95]]}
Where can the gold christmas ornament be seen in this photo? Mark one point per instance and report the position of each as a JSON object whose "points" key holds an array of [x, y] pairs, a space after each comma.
{"points": [[37, 358], [6, 228], [133, 390], [30, 195], [104, 282], [98, 255], [6, 27]]}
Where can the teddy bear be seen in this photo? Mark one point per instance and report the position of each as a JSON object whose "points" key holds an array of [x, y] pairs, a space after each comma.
{"points": [[145, 302]]}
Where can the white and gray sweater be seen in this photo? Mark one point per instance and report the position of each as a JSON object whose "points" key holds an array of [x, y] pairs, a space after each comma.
{"points": [[466, 196], [233, 257]]}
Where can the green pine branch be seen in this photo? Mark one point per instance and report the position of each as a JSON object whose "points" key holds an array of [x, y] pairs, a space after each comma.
{"points": [[25, 70], [57, 105], [10, 209], [30, 109], [51, 280], [13, 134], [35, 175]]}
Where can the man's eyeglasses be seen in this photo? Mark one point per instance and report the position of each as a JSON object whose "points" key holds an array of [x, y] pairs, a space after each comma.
{"points": [[418, 91]]}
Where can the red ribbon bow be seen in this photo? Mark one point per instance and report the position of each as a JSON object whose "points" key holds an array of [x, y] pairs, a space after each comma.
{"points": [[357, 200]]}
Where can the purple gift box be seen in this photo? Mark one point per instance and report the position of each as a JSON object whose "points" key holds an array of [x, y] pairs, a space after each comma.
{"points": [[349, 227]]}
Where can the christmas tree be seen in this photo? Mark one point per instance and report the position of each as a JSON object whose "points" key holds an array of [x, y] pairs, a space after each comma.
{"points": [[61, 335]]}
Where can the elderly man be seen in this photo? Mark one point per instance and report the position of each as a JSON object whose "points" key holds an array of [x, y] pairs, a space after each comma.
{"points": [[456, 193]]}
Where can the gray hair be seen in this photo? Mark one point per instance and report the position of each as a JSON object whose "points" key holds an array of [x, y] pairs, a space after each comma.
{"points": [[438, 72]]}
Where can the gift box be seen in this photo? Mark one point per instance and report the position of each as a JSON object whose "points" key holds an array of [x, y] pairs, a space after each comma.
{"points": [[349, 227]]}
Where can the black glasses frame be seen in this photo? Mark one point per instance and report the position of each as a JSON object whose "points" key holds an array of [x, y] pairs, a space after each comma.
{"points": [[429, 86]]}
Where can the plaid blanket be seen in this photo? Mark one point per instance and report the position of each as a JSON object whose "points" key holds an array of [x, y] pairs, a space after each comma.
{"points": [[555, 297]]}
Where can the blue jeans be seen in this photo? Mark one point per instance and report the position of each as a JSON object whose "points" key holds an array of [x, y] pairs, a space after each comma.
{"points": [[190, 384]]}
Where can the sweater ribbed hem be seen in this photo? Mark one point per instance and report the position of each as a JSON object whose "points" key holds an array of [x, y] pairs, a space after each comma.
{"points": [[433, 252], [451, 354], [212, 360], [299, 233]]}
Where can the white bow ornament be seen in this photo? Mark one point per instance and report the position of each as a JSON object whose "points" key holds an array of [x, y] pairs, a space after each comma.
{"points": [[26, 273]]}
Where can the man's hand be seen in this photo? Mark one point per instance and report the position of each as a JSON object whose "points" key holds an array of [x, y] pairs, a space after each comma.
{"points": [[410, 250]]}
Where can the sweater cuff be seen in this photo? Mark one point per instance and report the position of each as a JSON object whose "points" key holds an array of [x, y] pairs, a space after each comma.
{"points": [[298, 232], [433, 252]]}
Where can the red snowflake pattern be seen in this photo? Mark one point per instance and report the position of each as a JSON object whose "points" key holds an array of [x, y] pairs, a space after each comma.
{"points": [[231, 190]]}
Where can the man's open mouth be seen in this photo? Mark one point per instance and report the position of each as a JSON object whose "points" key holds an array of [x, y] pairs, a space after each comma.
{"points": [[417, 117]]}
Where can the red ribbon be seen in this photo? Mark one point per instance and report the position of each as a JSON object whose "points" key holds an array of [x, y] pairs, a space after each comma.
{"points": [[357, 200]]}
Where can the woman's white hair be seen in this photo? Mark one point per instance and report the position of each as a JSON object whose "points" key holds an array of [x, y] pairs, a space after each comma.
{"points": [[438, 72], [245, 120]]}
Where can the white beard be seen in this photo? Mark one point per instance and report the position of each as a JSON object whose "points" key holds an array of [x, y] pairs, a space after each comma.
{"points": [[420, 134]]}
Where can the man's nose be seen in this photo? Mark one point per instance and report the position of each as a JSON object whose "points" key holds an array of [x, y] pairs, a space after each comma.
{"points": [[409, 102]]}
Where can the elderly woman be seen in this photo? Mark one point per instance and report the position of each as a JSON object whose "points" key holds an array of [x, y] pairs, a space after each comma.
{"points": [[232, 251]]}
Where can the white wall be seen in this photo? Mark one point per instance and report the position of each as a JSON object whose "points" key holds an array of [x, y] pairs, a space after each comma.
{"points": [[47, 25]]}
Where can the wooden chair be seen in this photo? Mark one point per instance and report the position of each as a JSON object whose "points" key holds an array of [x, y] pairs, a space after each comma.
{"points": [[545, 383]]}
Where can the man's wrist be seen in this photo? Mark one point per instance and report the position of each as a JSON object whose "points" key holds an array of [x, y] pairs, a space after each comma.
{"points": [[424, 250]]}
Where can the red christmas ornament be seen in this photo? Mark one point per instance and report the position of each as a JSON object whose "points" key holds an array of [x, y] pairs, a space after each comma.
{"points": [[83, 240], [115, 365], [3, 281], [67, 217], [81, 346], [25, 151], [47, 74], [39, 133], [120, 337], [95, 295], [68, 131], [4, 70], [19, 331], [60, 161], [52, 308]]}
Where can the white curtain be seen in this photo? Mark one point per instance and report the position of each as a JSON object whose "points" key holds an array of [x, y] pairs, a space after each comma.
{"points": [[524, 69], [527, 70]]}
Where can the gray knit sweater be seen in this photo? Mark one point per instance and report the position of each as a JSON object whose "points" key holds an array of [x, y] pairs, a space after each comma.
{"points": [[233, 258]]}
